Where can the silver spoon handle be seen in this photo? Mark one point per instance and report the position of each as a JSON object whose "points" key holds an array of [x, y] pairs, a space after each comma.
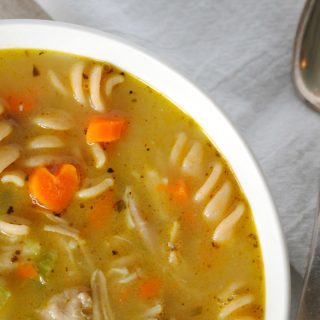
{"points": [[309, 308]]}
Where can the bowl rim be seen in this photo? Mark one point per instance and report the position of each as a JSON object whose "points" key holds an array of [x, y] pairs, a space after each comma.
{"points": [[18, 33]]}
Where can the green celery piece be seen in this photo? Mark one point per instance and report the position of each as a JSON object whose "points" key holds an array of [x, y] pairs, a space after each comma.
{"points": [[5, 294], [46, 263], [31, 247]]}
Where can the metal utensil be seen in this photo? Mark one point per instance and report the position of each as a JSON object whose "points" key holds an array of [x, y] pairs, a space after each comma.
{"points": [[306, 74], [306, 68]]}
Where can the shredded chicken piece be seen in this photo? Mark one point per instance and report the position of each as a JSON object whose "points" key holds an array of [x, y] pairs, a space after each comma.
{"points": [[73, 233], [63, 230], [142, 226], [101, 304], [71, 304]]}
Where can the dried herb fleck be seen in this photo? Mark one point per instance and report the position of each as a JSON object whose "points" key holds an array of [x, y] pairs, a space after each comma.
{"points": [[119, 206], [10, 210], [35, 71]]}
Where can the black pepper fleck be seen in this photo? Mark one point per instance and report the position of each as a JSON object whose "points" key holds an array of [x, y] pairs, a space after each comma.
{"points": [[14, 259], [10, 210], [35, 71], [214, 245], [119, 206]]}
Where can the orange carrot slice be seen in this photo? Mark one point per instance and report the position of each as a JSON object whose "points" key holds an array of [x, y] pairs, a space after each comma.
{"points": [[105, 129], [102, 210], [178, 190], [19, 104], [27, 271], [150, 288], [54, 191]]}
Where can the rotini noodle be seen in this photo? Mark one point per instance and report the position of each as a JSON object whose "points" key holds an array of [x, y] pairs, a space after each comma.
{"points": [[5, 129], [112, 82], [17, 177], [217, 206], [8, 155], [45, 142], [57, 82]]}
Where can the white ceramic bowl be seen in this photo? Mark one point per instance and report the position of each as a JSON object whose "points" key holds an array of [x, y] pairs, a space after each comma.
{"points": [[99, 45]]}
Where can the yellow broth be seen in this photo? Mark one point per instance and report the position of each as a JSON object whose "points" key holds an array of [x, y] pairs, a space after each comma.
{"points": [[190, 277]]}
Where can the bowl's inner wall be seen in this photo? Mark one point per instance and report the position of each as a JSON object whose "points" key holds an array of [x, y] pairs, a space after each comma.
{"points": [[98, 45]]}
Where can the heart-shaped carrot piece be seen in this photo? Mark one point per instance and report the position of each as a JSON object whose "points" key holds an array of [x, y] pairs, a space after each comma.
{"points": [[54, 191]]}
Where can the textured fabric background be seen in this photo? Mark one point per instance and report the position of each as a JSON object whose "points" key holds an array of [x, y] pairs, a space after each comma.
{"points": [[21, 9], [239, 52]]}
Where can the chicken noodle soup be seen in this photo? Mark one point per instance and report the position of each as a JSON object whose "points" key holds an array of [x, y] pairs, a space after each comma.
{"points": [[114, 203]]}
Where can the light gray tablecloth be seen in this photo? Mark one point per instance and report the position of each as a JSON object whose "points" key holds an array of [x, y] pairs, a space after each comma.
{"points": [[239, 52]]}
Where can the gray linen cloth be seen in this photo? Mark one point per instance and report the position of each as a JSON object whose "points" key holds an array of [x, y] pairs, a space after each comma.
{"points": [[21, 9]]}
